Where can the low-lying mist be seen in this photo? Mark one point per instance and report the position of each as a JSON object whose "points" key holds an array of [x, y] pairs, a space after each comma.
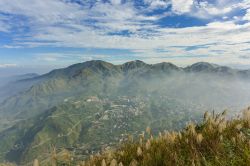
{"points": [[209, 90], [90, 105]]}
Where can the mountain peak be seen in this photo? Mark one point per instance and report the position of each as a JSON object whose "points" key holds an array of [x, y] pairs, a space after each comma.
{"points": [[138, 62], [201, 66], [133, 65], [166, 66], [76, 69], [97, 64]]}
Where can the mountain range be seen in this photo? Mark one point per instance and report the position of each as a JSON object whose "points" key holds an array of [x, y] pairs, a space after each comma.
{"points": [[94, 105]]}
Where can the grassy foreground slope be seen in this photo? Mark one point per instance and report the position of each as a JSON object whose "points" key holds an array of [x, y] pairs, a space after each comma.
{"points": [[215, 141]]}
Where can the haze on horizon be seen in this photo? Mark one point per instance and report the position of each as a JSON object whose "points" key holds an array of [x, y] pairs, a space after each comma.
{"points": [[66, 32]]}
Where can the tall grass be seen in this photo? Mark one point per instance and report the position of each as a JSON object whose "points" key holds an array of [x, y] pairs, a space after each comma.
{"points": [[216, 141]]}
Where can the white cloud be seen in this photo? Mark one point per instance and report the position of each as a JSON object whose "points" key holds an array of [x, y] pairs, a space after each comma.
{"points": [[7, 65], [208, 9], [10, 46], [247, 15], [115, 2], [182, 6], [72, 25], [154, 4], [4, 26], [46, 11], [53, 57], [67, 57]]}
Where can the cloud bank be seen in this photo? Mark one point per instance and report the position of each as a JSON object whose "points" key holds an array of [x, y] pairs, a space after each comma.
{"points": [[181, 31]]}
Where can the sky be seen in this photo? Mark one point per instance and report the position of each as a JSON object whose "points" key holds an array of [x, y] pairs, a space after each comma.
{"points": [[41, 35]]}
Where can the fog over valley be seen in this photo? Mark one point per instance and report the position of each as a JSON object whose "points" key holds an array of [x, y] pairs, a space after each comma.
{"points": [[127, 98]]}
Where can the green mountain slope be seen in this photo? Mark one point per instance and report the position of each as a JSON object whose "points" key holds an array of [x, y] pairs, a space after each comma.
{"points": [[100, 78], [94, 105], [88, 125]]}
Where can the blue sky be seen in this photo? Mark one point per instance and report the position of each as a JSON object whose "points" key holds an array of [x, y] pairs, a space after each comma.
{"points": [[40, 35]]}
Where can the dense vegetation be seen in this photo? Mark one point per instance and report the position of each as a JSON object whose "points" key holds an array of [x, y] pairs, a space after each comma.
{"points": [[215, 141], [92, 106], [85, 126]]}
